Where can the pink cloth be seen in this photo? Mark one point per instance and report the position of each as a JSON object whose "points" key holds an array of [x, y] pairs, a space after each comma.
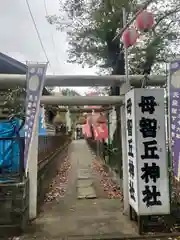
{"points": [[100, 131]]}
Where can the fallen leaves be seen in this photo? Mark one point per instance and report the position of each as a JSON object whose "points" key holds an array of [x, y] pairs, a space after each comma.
{"points": [[59, 184], [108, 185]]}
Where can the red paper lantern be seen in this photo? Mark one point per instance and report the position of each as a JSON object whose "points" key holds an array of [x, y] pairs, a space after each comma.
{"points": [[145, 21], [129, 37], [101, 119]]}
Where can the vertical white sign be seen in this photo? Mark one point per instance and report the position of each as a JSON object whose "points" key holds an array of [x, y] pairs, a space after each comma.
{"points": [[151, 152], [151, 165], [131, 150]]}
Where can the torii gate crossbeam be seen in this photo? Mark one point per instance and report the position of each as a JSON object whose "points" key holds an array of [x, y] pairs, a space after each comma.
{"points": [[82, 100], [11, 80]]}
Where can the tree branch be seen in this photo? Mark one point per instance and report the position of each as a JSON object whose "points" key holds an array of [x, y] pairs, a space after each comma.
{"points": [[133, 18], [165, 16]]}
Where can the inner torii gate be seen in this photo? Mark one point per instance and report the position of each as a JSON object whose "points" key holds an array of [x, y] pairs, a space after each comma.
{"points": [[11, 81]]}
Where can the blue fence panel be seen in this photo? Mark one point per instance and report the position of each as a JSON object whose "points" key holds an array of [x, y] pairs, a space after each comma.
{"points": [[42, 129], [9, 147]]}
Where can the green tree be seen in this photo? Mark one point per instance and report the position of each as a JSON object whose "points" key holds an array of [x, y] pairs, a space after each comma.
{"points": [[72, 92], [12, 102], [69, 92], [92, 25]]}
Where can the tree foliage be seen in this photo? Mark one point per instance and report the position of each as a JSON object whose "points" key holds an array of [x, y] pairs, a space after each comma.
{"points": [[91, 25], [14, 101], [69, 92]]}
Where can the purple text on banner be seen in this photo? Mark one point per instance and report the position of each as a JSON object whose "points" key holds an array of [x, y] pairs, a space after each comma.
{"points": [[175, 113]]}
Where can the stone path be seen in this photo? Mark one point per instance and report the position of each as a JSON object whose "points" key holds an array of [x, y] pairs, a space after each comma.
{"points": [[85, 187], [81, 213]]}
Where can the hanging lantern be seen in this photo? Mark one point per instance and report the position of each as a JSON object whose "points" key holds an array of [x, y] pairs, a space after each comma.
{"points": [[129, 37], [89, 119], [58, 120], [101, 119], [145, 21], [85, 115], [81, 121]]}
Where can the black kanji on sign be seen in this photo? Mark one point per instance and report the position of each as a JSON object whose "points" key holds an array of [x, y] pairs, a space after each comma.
{"points": [[148, 127], [152, 172], [151, 197], [132, 190], [131, 169], [129, 106], [129, 127], [130, 152], [148, 104], [149, 150]]}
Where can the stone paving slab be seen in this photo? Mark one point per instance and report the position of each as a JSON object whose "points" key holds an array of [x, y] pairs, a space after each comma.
{"points": [[86, 192], [82, 183], [85, 217], [85, 187], [84, 176]]}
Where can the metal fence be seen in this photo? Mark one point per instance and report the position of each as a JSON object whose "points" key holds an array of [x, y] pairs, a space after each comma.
{"points": [[98, 147], [49, 145], [12, 154], [52, 152]]}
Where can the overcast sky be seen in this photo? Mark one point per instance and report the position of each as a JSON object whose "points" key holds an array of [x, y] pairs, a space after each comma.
{"points": [[19, 39]]}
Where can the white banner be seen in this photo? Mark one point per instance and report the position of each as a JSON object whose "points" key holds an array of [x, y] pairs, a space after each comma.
{"points": [[35, 83], [146, 143]]}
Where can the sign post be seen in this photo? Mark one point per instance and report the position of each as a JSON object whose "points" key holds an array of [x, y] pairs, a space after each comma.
{"points": [[148, 179]]}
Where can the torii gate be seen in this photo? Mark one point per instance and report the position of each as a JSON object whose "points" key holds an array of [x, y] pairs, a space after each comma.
{"points": [[10, 81]]}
